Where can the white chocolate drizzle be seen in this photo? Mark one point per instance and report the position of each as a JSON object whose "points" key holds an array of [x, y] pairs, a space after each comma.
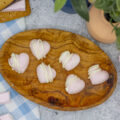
{"points": [[47, 72], [92, 70], [70, 80], [65, 57], [36, 47], [15, 63]]}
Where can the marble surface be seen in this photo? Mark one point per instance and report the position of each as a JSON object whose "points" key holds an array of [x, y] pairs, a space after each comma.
{"points": [[43, 16]]}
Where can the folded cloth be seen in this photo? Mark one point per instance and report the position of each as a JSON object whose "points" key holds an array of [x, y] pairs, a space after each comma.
{"points": [[19, 107], [6, 117], [10, 28], [4, 97], [18, 5]]}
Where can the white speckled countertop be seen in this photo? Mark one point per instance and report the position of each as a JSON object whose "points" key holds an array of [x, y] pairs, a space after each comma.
{"points": [[43, 16]]}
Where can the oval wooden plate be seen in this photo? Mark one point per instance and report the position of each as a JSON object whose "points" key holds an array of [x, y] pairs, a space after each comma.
{"points": [[53, 95]]}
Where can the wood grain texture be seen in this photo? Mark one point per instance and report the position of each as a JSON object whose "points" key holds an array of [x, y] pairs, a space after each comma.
{"points": [[7, 16], [5, 3], [53, 95]]}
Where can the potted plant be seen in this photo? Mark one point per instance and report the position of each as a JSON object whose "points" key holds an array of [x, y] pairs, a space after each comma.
{"points": [[73, 6], [105, 21]]}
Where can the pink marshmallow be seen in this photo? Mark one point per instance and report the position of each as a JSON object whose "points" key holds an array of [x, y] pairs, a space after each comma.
{"points": [[39, 48], [74, 84], [69, 60], [19, 63], [4, 97], [73, 62], [6, 117], [99, 77], [17, 6], [45, 73]]}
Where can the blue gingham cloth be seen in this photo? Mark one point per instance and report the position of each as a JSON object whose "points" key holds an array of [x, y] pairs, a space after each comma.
{"points": [[10, 28], [19, 107]]}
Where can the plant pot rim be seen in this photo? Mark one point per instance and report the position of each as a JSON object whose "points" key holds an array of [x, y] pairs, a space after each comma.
{"points": [[99, 27]]}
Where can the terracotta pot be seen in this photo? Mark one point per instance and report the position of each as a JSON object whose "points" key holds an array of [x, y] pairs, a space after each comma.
{"points": [[99, 28]]}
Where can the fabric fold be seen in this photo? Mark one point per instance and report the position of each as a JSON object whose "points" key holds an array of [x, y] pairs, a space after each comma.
{"points": [[19, 107]]}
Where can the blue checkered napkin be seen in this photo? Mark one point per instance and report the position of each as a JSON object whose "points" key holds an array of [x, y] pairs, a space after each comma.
{"points": [[19, 107], [10, 28]]}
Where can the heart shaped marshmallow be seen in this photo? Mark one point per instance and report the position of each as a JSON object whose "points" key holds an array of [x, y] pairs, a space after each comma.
{"points": [[45, 73], [69, 60], [97, 75], [74, 84], [39, 48], [19, 63]]}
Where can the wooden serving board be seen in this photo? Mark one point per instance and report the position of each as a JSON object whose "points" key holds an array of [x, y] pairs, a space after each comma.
{"points": [[53, 95], [7, 16], [5, 3]]}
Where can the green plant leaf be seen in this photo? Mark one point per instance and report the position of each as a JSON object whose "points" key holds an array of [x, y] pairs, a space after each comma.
{"points": [[118, 4], [92, 1], [115, 15], [81, 8], [105, 5], [116, 28], [59, 4], [111, 7]]}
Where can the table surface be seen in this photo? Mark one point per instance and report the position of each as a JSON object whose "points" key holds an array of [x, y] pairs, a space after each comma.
{"points": [[43, 16]]}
